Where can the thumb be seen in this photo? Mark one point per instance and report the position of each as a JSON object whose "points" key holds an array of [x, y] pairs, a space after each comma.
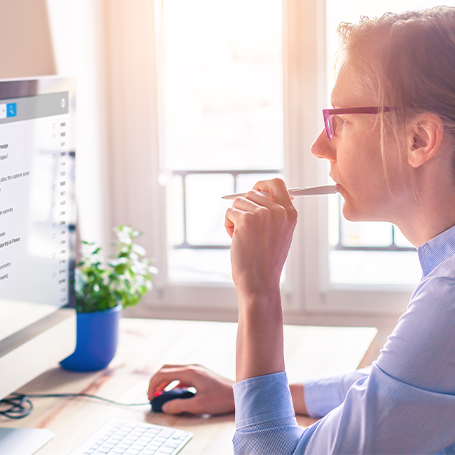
{"points": [[180, 405]]}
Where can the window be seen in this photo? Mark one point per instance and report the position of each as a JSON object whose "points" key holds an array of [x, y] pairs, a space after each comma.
{"points": [[239, 87], [222, 122]]}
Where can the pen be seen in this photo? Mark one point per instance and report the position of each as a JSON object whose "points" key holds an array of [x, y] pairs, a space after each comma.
{"points": [[296, 192]]}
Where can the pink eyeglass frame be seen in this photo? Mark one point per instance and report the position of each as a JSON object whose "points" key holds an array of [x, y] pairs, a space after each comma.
{"points": [[329, 113]]}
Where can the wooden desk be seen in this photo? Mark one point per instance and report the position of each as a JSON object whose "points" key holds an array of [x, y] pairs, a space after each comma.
{"points": [[147, 344]]}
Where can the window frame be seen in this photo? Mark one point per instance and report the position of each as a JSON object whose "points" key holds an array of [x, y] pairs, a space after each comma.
{"points": [[137, 190]]}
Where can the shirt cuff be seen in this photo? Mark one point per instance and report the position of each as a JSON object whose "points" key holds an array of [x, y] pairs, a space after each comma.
{"points": [[262, 399], [324, 395]]}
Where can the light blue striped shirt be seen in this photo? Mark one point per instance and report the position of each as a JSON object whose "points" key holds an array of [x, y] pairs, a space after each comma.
{"points": [[404, 405]]}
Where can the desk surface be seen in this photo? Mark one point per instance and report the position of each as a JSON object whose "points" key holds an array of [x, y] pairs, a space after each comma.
{"points": [[147, 344]]}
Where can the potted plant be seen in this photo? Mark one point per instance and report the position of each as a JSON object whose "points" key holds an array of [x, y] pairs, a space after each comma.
{"points": [[102, 291]]}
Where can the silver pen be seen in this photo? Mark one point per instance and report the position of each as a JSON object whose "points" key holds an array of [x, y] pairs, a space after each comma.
{"points": [[296, 192]]}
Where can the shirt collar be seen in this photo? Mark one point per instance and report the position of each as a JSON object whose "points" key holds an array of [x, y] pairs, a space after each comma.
{"points": [[437, 250]]}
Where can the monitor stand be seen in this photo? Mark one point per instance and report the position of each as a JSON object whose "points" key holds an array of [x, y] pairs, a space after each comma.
{"points": [[23, 441]]}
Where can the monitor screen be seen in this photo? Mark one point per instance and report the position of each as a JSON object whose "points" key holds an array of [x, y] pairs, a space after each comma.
{"points": [[37, 203]]}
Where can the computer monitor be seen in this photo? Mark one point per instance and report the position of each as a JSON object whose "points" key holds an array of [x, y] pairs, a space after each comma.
{"points": [[37, 227]]}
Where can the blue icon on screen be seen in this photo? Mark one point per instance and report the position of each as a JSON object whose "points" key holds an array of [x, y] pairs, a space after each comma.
{"points": [[11, 110]]}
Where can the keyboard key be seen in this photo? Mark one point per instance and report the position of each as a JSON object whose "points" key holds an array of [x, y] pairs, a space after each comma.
{"points": [[166, 433]]}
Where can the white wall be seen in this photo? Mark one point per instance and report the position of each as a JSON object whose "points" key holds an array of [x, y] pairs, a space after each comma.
{"points": [[78, 38], [26, 46]]}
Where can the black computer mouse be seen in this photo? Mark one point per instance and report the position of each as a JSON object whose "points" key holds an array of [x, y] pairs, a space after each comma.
{"points": [[163, 397]]}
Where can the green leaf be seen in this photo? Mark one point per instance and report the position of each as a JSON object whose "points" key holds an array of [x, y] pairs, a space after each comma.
{"points": [[124, 281]]}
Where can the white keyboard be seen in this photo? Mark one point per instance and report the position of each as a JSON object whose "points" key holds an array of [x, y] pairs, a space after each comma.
{"points": [[127, 437]]}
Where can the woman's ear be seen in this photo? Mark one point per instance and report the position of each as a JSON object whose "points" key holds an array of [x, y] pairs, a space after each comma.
{"points": [[423, 138]]}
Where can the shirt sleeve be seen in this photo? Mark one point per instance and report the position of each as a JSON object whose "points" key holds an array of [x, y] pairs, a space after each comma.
{"points": [[406, 405], [324, 395], [264, 416]]}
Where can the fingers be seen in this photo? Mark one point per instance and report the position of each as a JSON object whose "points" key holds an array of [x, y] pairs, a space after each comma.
{"points": [[276, 196], [179, 405], [260, 206], [169, 373], [229, 225], [276, 189], [251, 203], [232, 216]]}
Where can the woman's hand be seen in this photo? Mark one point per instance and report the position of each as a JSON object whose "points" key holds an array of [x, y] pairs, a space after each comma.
{"points": [[261, 228], [214, 392]]}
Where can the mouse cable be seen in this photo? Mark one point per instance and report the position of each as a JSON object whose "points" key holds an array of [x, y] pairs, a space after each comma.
{"points": [[20, 405]]}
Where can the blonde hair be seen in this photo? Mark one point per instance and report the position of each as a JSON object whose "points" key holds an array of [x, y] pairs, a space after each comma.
{"points": [[408, 60]]}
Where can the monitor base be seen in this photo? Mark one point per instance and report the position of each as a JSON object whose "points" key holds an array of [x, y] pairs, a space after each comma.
{"points": [[23, 441]]}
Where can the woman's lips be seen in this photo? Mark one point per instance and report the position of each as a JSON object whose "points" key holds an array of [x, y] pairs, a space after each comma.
{"points": [[340, 190], [337, 185]]}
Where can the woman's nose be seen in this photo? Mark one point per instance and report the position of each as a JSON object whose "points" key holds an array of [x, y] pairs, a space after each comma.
{"points": [[323, 148]]}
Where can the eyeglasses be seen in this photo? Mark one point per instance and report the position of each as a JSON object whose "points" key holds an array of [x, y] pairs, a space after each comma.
{"points": [[328, 115]]}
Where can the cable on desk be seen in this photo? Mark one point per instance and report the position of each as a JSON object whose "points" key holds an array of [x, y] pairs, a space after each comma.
{"points": [[20, 405]]}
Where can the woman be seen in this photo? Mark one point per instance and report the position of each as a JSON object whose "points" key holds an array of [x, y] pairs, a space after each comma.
{"points": [[391, 147]]}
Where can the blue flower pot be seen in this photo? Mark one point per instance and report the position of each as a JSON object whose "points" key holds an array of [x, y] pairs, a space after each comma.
{"points": [[97, 340]]}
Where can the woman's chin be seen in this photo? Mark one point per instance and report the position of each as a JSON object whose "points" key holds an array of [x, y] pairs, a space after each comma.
{"points": [[355, 214]]}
